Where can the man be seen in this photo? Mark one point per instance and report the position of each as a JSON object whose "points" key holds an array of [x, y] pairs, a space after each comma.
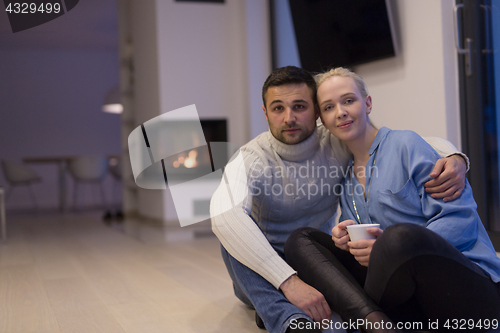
{"points": [[288, 178]]}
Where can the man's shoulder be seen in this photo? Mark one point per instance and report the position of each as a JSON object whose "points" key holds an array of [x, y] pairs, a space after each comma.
{"points": [[258, 141], [257, 145], [253, 154]]}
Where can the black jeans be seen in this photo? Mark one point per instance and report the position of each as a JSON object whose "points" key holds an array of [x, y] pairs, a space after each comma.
{"points": [[414, 275]]}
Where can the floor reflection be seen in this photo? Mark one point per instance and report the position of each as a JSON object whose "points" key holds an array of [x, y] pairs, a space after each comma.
{"points": [[148, 232]]}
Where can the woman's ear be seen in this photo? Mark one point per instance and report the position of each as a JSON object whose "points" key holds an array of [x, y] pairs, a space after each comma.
{"points": [[368, 104]]}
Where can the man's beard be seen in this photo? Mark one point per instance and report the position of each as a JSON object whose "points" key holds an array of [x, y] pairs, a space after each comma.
{"points": [[303, 134]]}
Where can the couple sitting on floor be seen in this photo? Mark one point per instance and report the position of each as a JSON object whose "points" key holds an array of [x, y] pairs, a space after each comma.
{"points": [[431, 259]]}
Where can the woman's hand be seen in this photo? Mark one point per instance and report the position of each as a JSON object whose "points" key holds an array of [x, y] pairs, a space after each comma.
{"points": [[362, 249], [340, 236]]}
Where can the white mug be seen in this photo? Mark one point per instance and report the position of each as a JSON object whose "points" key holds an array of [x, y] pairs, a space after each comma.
{"points": [[358, 231]]}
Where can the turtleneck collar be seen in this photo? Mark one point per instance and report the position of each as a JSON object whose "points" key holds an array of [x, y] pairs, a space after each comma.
{"points": [[297, 152]]}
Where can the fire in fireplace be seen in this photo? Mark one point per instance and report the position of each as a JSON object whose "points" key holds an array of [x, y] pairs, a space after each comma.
{"points": [[196, 162]]}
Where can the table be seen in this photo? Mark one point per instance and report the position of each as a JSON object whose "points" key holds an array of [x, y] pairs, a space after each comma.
{"points": [[62, 162]]}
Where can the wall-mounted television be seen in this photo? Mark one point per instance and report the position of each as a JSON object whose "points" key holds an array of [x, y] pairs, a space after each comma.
{"points": [[332, 33]]}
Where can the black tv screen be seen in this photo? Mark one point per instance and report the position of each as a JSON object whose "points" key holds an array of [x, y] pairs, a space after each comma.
{"points": [[332, 33]]}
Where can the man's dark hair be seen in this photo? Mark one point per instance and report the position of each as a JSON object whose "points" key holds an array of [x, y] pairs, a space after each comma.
{"points": [[289, 75]]}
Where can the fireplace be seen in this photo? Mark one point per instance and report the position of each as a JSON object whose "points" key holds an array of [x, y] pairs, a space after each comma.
{"points": [[198, 161]]}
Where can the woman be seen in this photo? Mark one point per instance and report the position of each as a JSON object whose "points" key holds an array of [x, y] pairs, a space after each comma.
{"points": [[431, 262]]}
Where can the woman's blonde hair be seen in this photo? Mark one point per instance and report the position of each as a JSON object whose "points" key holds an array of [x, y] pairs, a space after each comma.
{"points": [[344, 72]]}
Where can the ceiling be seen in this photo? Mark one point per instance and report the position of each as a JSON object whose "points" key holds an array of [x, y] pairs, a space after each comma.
{"points": [[92, 24]]}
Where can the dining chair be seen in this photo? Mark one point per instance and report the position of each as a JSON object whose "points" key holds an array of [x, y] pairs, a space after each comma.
{"points": [[88, 169], [115, 170], [18, 174]]}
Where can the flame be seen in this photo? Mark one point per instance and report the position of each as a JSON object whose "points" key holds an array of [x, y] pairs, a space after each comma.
{"points": [[189, 162]]}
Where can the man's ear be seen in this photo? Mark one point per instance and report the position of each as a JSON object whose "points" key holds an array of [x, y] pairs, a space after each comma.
{"points": [[265, 112]]}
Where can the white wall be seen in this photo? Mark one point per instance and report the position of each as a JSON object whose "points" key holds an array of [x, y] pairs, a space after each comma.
{"points": [[204, 57], [202, 61], [418, 89], [51, 106], [259, 60], [146, 88], [213, 55]]}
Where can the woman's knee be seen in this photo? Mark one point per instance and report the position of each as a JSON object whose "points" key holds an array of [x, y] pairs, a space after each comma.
{"points": [[298, 239], [402, 238]]}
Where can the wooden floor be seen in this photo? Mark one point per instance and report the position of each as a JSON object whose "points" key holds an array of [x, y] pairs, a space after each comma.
{"points": [[72, 273]]}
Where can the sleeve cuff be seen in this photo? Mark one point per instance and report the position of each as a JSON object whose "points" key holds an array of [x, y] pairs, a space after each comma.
{"points": [[446, 149], [283, 277], [464, 157]]}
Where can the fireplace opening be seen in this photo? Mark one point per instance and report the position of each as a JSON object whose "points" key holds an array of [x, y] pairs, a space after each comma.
{"points": [[198, 161]]}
